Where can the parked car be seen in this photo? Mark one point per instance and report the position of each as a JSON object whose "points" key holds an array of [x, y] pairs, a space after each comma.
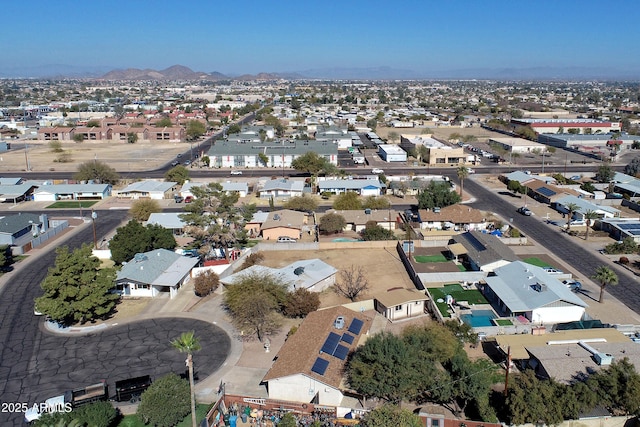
{"points": [[236, 172], [179, 155], [524, 211], [175, 163], [187, 162], [552, 270], [377, 171], [573, 285], [285, 239], [178, 199]]}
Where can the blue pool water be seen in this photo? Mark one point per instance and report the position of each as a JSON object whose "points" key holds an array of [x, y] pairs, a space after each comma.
{"points": [[479, 318], [344, 239]]}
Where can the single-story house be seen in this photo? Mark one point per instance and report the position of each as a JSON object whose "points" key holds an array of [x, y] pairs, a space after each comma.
{"points": [[51, 193], [255, 223], [523, 178], [400, 303], [156, 190], [16, 193], [242, 188], [583, 207], [457, 217], [521, 289], [313, 275], [284, 223], [482, 251], [622, 228], [392, 153], [281, 187], [18, 228], [356, 220], [364, 187], [547, 193], [154, 272], [168, 220], [310, 365]]}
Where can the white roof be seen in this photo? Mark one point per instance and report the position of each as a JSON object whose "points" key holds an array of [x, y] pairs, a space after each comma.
{"points": [[148, 187], [169, 220]]}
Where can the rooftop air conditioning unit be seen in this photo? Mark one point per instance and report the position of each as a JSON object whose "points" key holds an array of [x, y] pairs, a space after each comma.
{"points": [[339, 322]]}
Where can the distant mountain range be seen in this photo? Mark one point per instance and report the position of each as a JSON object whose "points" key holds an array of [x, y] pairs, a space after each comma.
{"points": [[181, 72]]}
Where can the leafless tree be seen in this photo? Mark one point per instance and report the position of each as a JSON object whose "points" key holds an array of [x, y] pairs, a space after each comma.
{"points": [[352, 282]]}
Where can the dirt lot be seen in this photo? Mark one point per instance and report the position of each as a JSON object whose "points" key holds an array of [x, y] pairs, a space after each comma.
{"points": [[383, 268], [120, 156]]}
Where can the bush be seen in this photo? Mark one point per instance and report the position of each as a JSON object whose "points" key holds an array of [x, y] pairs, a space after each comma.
{"points": [[300, 303], [623, 260], [166, 402], [97, 414], [251, 259], [205, 283]]}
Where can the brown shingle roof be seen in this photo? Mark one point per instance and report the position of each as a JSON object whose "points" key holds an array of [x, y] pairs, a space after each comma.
{"points": [[457, 214], [299, 352], [284, 218]]}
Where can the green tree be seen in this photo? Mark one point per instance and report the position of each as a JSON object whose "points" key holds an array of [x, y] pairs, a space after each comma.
{"points": [[263, 159], [393, 136], [254, 301], [6, 259], [349, 200], [78, 138], [437, 194], [571, 209], [206, 161], [188, 343], [141, 209], [134, 238], [606, 276], [373, 231], [56, 146], [97, 171], [132, 137], [213, 220], [288, 420], [233, 129], [93, 124], [178, 174], [463, 173], [313, 164], [372, 124], [302, 203], [96, 414], [166, 402], [471, 383], [331, 223], [590, 216], [389, 415], [513, 186], [195, 129], [205, 283], [618, 387], [632, 168], [164, 122], [301, 302], [376, 202], [533, 400], [76, 289], [605, 173]]}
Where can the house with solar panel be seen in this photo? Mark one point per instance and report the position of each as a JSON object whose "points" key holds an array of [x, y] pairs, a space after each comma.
{"points": [[481, 251], [309, 367], [547, 193]]}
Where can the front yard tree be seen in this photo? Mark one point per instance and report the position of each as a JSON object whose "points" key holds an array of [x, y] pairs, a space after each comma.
{"points": [[166, 402], [571, 208], [205, 283], [590, 216], [331, 223], [213, 220], [195, 129], [301, 302], [134, 238], [302, 203], [437, 194], [188, 343], [352, 282], [605, 173], [142, 209], [254, 301], [463, 173], [178, 174], [605, 276], [97, 171], [76, 289], [347, 201]]}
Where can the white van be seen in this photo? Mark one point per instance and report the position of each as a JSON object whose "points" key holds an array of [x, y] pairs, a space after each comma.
{"points": [[285, 239]]}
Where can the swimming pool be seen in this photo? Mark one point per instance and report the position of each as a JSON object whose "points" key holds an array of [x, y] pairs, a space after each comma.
{"points": [[479, 318], [344, 239]]}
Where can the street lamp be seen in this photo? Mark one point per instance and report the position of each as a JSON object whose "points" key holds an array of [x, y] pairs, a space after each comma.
{"points": [[94, 216]]}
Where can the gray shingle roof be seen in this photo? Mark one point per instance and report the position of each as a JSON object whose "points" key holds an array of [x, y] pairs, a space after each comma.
{"points": [[148, 187], [11, 224], [484, 248], [159, 267]]}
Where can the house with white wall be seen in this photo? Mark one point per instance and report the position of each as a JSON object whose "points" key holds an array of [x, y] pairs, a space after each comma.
{"points": [[156, 190]]}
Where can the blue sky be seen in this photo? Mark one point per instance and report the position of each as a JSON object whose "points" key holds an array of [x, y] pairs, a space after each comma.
{"points": [[235, 37]]}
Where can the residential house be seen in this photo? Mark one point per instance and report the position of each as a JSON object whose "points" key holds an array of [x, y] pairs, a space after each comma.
{"points": [[255, 223], [400, 303], [155, 272], [285, 223], [622, 228], [156, 190], [50, 193], [547, 193], [16, 230], [357, 220], [584, 206], [481, 251], [364, 187], [313, 275], [310, 365], [521, 289], [281, 187], [392, 153], [456, 217], [168, 220], [16, 193], [242, 188]]}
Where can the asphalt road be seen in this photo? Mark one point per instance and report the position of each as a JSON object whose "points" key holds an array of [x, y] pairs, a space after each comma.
{"points": [[36, 365], [560, 244]]}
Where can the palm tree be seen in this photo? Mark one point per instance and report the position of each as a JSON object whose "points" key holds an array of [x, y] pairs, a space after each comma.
{"points": [[462, 172], [590, 216], [571, 207], [605, 276], [188, 343]]}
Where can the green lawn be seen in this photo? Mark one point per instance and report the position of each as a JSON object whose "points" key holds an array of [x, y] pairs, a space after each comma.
{"points": [[473, 296], [134, 421], [461, 267], [503, 322], [430, 258], [537, 262], [72, 204]]}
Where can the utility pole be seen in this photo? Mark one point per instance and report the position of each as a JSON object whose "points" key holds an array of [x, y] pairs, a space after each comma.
{"points": [[506, 376]]}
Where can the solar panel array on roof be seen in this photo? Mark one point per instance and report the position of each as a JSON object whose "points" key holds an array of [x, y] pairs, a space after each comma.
{"points": [[330, 343], [341, 352], [356, 326], [320, 366], [546, 191], [348, 338], [635, 232], [633, 226]]}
